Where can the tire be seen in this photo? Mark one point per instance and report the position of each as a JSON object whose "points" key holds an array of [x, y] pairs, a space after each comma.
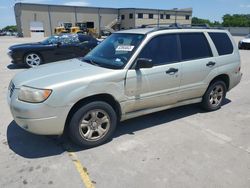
{"points": [[92, 124], [32, 59], [214, 96]]}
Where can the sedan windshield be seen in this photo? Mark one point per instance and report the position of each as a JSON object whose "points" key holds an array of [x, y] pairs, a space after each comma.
{"points": [[115, 51], [63, 39]]}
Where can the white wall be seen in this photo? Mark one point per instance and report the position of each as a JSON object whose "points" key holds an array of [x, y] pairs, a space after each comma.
{"points": [[238, 31]]}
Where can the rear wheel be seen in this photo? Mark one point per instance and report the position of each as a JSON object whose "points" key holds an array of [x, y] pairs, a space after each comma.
{"points": [[93, 124], [214, 96], [32, 60]]}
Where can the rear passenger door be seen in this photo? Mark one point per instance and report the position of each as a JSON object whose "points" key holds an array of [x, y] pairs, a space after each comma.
{"points": [[197, 63], [157, 86]]}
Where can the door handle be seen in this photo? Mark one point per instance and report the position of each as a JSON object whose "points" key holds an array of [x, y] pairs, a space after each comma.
{"points": [[210, 64], [172, 71]]}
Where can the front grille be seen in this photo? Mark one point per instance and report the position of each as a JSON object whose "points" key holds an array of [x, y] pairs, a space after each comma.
{"points": [[11, 89]]}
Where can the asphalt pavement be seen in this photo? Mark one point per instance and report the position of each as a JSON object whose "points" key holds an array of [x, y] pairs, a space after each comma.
{"points": [[181, 147]]}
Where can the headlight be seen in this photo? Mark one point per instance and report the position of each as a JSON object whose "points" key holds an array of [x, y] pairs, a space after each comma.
{"points": [[33, 95], [10, 52]]}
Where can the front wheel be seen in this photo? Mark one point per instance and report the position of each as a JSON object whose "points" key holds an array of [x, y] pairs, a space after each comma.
{"points": [[93, 124], [32, 60], [214, 96]]}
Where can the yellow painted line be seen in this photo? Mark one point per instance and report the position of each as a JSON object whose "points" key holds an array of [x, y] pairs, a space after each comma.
{"points": [[81, 170]]}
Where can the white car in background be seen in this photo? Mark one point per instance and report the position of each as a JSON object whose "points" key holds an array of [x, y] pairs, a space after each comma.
{"points": [[245, 43]]}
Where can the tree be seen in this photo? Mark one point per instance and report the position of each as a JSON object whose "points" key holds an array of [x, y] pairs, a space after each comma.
{"points": [[236, 20], [10, 28], [198, 21]]}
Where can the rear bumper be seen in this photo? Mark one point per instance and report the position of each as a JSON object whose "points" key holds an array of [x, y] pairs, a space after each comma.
{"points": [[235, 80]]}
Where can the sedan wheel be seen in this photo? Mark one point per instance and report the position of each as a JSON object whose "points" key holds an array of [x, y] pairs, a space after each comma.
{"points": [[33, 60]]}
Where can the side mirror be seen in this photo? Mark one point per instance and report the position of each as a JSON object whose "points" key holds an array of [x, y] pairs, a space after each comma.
{"points": [[144, 63], [58, 44]]}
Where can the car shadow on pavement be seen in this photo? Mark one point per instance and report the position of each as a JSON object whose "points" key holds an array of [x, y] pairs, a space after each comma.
{"points": [[29, 145], [16, 66], [159, 118]]}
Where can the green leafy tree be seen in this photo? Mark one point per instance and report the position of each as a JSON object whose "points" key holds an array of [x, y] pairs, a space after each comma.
{"points": [[236, 20], [10, 28], [198, 21]]}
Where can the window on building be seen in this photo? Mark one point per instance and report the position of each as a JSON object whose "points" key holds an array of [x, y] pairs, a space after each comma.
{"points": [[222, 43], [140, 15], [167, 16], [194, 46], [123, 17], [162, 16], [150, 16], [187, 17], [90, 25], [131, 16], [162, 50]]}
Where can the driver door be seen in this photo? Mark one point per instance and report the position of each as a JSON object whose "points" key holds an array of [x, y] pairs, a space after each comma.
{"points": [[158, 86], [65, 49]]}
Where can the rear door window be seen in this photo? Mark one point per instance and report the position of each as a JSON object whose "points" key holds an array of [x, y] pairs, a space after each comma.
{"points": [[194, 46], [222, 43]]}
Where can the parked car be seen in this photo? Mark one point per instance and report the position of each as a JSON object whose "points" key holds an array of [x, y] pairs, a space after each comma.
{"points": [[245, 43], [54, 48], [2, 33], [129, 74]]}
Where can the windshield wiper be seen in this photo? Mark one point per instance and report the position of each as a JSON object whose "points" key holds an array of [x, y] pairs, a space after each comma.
{"points": [[91, 62]]}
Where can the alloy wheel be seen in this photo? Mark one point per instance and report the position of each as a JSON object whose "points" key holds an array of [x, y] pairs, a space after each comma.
{"points": [[33, 60], [216, 95], [94, 125]]}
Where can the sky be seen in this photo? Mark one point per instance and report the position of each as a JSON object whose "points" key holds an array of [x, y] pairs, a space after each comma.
{"points": [[207, 9]]}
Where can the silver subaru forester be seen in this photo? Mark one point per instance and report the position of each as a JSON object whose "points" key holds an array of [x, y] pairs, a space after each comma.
{"points": [[131, 73]]}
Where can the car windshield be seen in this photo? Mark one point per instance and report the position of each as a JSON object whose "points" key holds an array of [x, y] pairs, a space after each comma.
{"points": [[115, 51], [63, 39]]}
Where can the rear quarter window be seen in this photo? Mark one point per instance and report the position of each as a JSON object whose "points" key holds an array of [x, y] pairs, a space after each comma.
{"points": [[222, 43]]}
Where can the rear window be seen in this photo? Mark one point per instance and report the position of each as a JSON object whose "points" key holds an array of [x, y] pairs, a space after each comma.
{"points": [[222, 42], [194, 46]]}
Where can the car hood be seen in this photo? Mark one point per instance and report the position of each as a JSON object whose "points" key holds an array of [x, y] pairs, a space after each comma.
{"points": [[26, 45], [60, 73], [246, 40]]}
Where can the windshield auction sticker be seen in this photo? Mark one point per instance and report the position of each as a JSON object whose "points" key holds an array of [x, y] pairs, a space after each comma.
{"points": [[125, 48]]}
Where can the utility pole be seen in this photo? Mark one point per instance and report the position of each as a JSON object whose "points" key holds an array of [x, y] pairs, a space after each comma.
{"points": [[158, 23], [175, 19]]}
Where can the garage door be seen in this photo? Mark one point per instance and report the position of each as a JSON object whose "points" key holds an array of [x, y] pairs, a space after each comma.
{"points": [[36, 29]]}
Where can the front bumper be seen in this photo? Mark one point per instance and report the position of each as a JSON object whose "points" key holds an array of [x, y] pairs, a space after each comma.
{"points": [[15, 59], [244, 45], [38, 118]]}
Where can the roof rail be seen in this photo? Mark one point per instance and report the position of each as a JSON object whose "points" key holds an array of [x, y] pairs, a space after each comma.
{"points": [[158, 27]]}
